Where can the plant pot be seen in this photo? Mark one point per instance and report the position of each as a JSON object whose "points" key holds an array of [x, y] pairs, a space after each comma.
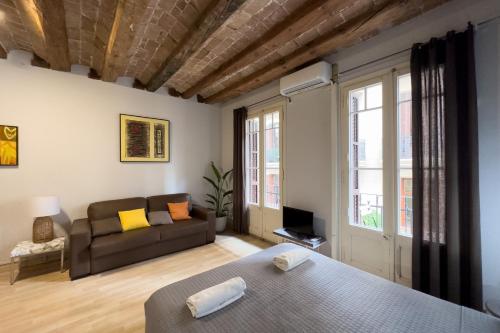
{"points": [[220, 224]]}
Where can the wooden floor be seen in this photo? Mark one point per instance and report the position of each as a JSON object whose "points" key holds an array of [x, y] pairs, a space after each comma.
{"points": [[108, 302]]}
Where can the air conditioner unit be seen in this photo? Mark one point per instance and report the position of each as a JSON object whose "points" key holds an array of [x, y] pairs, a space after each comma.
{"points": [[311, 77]]}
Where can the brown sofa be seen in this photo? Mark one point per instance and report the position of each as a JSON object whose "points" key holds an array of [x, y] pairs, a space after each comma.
{"points": [[94, 251]]}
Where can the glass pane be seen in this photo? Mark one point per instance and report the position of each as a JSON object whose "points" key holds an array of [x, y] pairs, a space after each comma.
{"points": [[268, 120], [374, 96], [366, 133], [252, 162], [367, 198], [404, 88], [272, 148], [272, 200], [357, 98], [272, 188], [405, 202], [405, 148], [272, 161], [405, 217], [276, 119], [253, 186]]}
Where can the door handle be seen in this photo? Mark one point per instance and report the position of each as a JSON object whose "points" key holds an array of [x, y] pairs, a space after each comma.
{"points": [[386, 237]]}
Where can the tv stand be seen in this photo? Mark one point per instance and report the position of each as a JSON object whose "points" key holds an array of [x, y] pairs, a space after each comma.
{"points": [[311, 242]]}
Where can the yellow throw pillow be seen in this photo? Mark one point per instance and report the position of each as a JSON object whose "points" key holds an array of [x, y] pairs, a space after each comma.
{"points": [[179, 211], [133, 219]]}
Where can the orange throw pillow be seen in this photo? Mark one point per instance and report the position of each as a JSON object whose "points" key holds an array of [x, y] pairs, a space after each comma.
{"points": [[179, 211]]}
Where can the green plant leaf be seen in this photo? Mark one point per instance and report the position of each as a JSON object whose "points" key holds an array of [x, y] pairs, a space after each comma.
{"points": [[216, 171], [212, 197], [227, 174], [212, 182]]}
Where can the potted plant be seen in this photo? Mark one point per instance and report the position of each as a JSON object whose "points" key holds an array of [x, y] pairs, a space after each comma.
{"points": [[220, 198]]}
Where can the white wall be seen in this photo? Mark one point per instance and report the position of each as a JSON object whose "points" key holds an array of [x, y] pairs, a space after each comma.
{"points": [[488, 88], [69, 145], [308, 158]]}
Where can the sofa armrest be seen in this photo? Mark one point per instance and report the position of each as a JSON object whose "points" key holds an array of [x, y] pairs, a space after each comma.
{"points": [[80, 239], [206, 215]]}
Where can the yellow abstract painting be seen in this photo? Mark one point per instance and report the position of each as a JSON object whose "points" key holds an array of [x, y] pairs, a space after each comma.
{"points": [[9, 145], [144, 139]]}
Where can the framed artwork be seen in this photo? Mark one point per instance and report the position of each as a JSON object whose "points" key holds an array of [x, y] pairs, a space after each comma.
{"points": [[9, 146], [144, 139]]}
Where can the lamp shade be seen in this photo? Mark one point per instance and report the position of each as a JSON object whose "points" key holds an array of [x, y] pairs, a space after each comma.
{"points": [[45, 206]]}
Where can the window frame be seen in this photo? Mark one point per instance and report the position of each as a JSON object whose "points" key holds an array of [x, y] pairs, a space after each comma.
{"points": [[402, 71], [260, 113], [265, 153], [364, 85], [248, 168], [388, 76]]}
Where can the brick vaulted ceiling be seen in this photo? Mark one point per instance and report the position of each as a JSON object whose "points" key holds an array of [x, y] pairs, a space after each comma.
{"points": [[214, 49]]}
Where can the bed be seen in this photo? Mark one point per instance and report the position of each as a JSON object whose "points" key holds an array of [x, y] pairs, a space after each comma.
{"points": [[321, 295]]}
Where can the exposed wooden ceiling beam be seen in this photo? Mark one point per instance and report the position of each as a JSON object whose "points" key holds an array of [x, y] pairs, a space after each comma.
{"points": [[304, 18], [128, 15], [39, 62], [104, 25], [3, 53], [138, 85], [93, 74], [363, 27], [45, 21], [28, 12], [212, 17], [172, 92], [53, 19]]}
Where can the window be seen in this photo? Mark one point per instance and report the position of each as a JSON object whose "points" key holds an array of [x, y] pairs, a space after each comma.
{"points": [[272, 160], [263, 164], [252, 161], [366, 161], [405, 215]]}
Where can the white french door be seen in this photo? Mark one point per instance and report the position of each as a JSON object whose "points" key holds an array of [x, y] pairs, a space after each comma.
{"points": [[376, 175], [264, 171]]}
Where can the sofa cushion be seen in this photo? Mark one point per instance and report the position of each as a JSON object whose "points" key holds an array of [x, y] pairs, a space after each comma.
{"points": [[160, 202], [179, 211], [182, 229], [159, 217], [106, 209], [105, 245], [133, 219], [105, 227]]}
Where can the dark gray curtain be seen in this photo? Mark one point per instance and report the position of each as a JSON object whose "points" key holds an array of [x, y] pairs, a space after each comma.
{"points": [[446, 233], [240, 223]]}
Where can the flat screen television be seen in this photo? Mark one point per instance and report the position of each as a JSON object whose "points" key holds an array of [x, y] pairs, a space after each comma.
{"points": [[298, 220]]}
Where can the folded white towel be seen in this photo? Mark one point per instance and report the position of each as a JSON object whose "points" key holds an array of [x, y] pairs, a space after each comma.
{"points": [[290, 259], [215, 298]]}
